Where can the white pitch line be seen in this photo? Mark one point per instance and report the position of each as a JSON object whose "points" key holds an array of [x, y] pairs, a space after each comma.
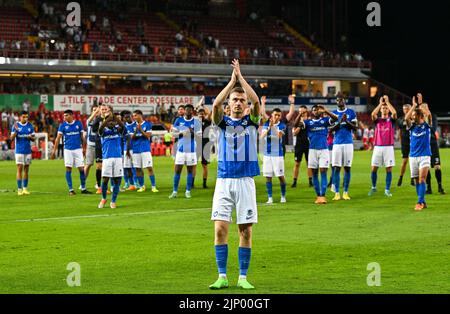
{"points": [[111, 215]]}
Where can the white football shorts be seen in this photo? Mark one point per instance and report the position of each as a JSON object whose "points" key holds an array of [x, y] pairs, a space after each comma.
{"points": [[112, 168], [417, 163], [142, 160], [22, 159], [318, 158], [73, 158], [383, 156], [273, 166], [188, 159], [342, 155], [237, 193]]}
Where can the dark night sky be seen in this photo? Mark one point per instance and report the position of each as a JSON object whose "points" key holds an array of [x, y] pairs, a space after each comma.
{"points": [[410, 51]]}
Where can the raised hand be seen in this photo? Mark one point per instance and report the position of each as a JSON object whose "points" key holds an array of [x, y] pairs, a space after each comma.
{"points": [[237, 68], [291, 99], [419, 98], [386, 98], [263, 100], [414, 103]]}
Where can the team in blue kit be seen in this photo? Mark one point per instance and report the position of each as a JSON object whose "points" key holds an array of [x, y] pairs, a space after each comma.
{"points": [[23, 134]]}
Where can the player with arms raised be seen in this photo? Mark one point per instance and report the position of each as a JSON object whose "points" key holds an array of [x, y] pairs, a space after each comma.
{"points": [[237, 165], [23, 133], [187, 129], [383, 152], [111, 132], [342, 152], [418, 121], [273, 164]]}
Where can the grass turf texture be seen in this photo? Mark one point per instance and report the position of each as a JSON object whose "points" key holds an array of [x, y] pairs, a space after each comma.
{"points": [[151, 246]]}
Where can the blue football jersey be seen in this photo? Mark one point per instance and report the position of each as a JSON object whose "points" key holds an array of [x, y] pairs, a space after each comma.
{"points": [[318, 132], [91, 136], [140, 143], [71, 134], [420, 137], [23, 145], [112, 142], [237, 151], [129, 127], [187, 144], [343, 134], [273, 145]]}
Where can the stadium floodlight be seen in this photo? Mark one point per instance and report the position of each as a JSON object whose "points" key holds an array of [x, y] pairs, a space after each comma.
{"points": [[37, 141]]}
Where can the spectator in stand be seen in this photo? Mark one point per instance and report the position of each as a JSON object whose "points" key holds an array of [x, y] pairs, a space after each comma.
{"points": [[111, 47], [179, 39], [26, 105], [5, 119], [93, 19], [2, 44]]}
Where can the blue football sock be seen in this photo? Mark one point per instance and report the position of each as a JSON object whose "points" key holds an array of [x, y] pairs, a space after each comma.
{"points": [[19, 184], [283, 189], [388, 180], [269, 188], [221, 258], [347, 177], [176, 182], [69, 180], [25, 183], [423, 188], [104, 190], [153, 181], [130, 178], [337, 180], [324, 183], [83, 180], [115, 193], [244, 255], [125, 176], [374, 178], [190, 180], [316, 183], [417, 189], [133, 170], [141, 181]]}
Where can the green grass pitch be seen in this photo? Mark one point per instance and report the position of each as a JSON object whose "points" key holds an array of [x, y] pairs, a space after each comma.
{"points": [[151, 244]]}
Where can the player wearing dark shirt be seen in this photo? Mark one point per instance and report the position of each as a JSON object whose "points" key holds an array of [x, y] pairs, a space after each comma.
{"points": [[403, 134], [435, 155], [204, 116], [301, 145]]}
